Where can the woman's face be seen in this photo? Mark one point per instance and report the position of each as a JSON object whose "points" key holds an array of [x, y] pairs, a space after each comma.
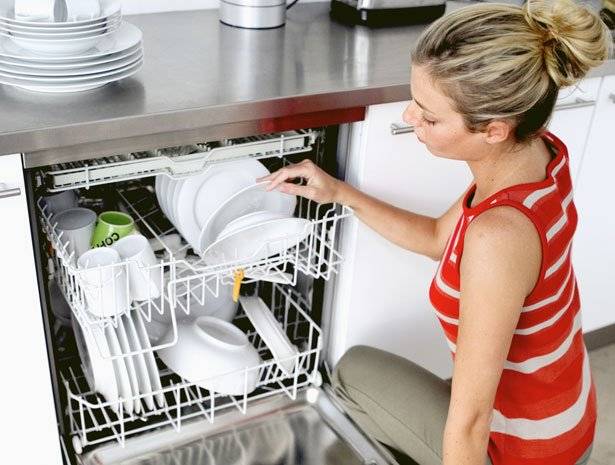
{"points": [[436, 123]]}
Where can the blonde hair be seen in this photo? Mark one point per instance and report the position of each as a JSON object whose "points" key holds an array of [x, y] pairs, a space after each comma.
{"points": [[505, 62]]}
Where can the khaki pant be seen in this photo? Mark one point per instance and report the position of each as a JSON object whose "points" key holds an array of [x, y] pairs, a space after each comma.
{"points": [[397, 402]]}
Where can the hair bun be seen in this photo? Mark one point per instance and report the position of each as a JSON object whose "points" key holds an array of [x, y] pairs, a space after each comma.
{"points": [[571, 38]]}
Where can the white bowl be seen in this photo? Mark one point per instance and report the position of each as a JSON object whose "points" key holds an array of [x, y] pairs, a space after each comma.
{"points": [[213, 354]]}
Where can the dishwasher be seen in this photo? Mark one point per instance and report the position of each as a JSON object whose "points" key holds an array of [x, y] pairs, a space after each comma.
{"points": [[291, 415]]}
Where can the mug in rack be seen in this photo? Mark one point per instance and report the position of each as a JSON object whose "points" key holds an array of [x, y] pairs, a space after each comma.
{"points": [[111, 227]]}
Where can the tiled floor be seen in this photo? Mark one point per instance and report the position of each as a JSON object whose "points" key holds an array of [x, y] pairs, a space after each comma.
{"points": [[603, 369]]}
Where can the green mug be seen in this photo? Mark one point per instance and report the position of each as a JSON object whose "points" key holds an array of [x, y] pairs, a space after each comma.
{"points": [[111, 227]]}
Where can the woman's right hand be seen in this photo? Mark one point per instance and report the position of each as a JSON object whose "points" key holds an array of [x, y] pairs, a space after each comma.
{"points": [[320, 186]]}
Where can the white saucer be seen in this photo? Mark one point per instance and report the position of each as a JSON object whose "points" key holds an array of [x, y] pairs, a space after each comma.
{"points": [[249, 200], [125, 37]]}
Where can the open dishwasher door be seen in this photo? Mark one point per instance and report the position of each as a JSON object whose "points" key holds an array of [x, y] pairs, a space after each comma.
{"points": [[310, 430]]}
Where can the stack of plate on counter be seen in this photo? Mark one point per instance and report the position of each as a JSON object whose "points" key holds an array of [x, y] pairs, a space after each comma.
{"points": [[62, 53], [227, 217], [130, 381]]}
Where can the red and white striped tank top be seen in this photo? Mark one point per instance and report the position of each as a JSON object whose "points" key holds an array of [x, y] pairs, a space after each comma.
{"points": [[545, 405]]}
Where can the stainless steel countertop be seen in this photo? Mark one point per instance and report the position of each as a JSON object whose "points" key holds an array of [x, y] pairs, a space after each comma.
{"points": [[200, 75]]}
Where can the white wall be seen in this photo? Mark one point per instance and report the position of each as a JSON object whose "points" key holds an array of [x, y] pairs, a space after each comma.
{"points": [[151, 6]]}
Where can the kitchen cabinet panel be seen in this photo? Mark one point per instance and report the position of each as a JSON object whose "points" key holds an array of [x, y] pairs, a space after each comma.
{"points": [[382, 292], [572, 118], [29, 429], [594, 247]]}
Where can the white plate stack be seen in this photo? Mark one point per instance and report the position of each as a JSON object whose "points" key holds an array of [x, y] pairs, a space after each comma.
{"points": [[66, 45]]}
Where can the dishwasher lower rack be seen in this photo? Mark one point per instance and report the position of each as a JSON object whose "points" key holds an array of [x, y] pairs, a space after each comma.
{"points": [[92, 420]]}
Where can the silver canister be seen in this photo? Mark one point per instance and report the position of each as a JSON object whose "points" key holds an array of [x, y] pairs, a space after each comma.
{"points": [[253, 14]]}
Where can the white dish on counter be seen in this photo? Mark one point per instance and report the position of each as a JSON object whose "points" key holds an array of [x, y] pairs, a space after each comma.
{"points": [[49, 28], [84, 85], [60, 34], [125, 37], [258, 241], [283, 350], [134, 61], [251, 199], [89, 71], [226, 350], [57, 47]]}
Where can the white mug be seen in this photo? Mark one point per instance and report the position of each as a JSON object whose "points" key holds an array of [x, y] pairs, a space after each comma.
{"points": [[104, 281], [75, 227], [57, 203], [145, 277], [80, 10], [34, 10]]}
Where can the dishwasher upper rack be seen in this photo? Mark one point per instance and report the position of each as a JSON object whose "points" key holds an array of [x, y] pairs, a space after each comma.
{"points": [[92, 420], [187, 279], [177, 162]]}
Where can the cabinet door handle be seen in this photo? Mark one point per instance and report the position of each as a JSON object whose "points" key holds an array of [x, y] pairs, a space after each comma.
{"points": [[612, 97], [399, 129], [4, 193], [578, 103]]}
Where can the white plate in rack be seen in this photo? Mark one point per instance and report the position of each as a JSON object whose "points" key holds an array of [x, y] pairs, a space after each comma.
{"points": [[60, 34], [271, 331], [152, 368], [145, 385], [95, 358], [129, 361], [258, 241], [202, 194], [251, 199], [125, 37], [121, 373]]}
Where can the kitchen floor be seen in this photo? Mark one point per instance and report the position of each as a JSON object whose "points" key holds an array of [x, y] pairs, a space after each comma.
{"points": [[603, 369]]}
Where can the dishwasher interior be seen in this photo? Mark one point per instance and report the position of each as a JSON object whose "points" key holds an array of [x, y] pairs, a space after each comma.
{"points": [[173, 419]]}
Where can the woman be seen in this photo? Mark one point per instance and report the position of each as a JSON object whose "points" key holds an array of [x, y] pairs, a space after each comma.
{"points": [[484, 82]]}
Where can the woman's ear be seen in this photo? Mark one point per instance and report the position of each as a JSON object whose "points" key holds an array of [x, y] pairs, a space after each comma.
{"points": [[497, 131]]}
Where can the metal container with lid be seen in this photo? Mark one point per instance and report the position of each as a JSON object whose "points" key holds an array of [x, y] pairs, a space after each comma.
{"points": [[253, 14]]}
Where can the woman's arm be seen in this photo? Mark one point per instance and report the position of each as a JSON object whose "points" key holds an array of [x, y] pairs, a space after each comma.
{"points": [[500, 266], [419, 233]]}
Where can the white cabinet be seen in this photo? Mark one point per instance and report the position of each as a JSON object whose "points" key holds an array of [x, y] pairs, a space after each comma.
{"points": [[382, 292], [28, 428], [572, 119], [594, 243]]}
